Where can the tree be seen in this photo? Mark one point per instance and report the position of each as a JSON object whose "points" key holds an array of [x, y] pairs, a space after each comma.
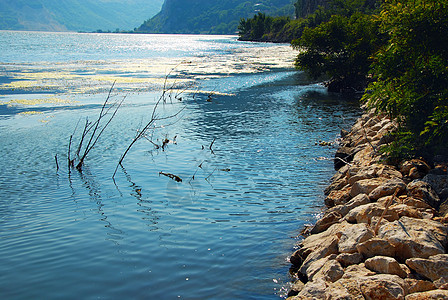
{"points": [[340, 49], [411, 75]]}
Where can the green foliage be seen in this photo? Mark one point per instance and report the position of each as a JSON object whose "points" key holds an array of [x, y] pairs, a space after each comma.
{"points": [[411, 74], [340, 49]]}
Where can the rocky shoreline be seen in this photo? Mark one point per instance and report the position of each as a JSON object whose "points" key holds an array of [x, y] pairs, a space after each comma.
{"points": [[384, 233]]}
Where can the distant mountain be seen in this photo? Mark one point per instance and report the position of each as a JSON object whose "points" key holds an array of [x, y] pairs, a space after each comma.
{"points": [[211, 16], [75, 15]]}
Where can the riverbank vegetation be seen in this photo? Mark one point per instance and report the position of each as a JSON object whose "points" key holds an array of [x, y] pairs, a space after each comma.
{"points": [[397, 49]]}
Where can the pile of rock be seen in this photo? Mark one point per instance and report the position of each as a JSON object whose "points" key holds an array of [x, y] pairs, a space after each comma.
{"points": [[385, 232]]}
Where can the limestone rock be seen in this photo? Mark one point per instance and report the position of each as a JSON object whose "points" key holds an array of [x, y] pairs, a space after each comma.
{"points": [[325, 242], [326, 221], [348, 259], [365, 186], [441, 283], [337, 197], [404, 210], [421, 166], [357, 271], [417, 286], [365, 173], [330, 271], [309, 270], [388, 188], [438, 182], [376, 247], [296, 287], [364, 213], [422, 190], [384, 286], [345, 289], [434, 294], [344, 209], [415, 237], [296, 259], [433, 268], [386, 265], [352, 236], [313, 290]]}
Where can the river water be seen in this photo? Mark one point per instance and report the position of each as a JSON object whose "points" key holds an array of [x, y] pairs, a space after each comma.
{"points": [[243, 139]]}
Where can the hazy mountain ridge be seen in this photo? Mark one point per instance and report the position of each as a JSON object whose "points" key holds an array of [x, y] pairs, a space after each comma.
{"points": [[210, 16], [75, 15]]}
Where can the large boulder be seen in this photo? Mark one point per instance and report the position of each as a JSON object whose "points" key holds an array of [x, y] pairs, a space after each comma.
{"points": [[387, 265], [338, 197], [416, 165], [417, 238], [388, 188], [375, 247], [326, 221], [422, 190], [365, 186], [330, 271], [348, 259], [344, 209], [365, 213], [383, 286], [417, 285], [439, 183], [433, 268], [429, 295], [324, 243], [352, 236]]}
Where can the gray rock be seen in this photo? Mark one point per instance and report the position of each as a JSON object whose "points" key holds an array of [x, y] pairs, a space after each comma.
{"points": [[438, 182]]}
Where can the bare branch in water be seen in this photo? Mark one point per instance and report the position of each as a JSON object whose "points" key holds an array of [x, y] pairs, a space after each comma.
{"points": [[172, 176], [151, 124]]}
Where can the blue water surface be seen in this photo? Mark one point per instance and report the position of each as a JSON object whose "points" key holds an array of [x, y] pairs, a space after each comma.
{"points": [[252, 177]]}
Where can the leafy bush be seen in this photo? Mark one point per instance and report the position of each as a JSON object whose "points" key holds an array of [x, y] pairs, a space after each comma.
{"points": [[411, 75], [340, 48]]}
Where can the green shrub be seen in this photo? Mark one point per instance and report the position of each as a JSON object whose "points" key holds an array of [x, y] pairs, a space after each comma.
{"points": [[411, 75]]}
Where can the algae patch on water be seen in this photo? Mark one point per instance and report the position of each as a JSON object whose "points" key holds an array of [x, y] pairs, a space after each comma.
{"points": [[38, 101]]}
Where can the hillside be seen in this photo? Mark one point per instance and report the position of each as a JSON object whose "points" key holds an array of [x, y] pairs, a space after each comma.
{"points": [[210, 16], [75, 15]]}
